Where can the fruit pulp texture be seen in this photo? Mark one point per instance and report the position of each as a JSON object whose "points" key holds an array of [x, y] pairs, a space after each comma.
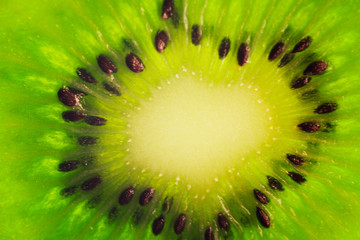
{"points": [[39, 57]]}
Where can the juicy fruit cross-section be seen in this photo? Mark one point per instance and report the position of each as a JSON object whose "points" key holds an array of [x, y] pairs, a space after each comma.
{"points": [[178, 119]]}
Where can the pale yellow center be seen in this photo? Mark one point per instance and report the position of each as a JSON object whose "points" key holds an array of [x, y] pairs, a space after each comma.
{"points": [[192, 130]]}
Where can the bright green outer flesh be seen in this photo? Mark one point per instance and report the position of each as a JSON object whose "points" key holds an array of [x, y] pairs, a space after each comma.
{"points": [[41, 45]]}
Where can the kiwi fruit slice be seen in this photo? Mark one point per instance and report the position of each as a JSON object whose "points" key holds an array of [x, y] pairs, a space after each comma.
{"points": [[175, 119]]}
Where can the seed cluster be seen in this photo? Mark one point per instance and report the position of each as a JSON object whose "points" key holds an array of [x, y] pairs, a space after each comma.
{"points": [[72, 98]]}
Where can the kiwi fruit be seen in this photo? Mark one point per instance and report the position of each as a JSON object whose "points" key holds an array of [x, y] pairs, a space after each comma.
{"points": [[175, 119]]}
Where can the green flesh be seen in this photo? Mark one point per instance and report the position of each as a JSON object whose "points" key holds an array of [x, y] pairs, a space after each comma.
{"points": [[40, 50]]}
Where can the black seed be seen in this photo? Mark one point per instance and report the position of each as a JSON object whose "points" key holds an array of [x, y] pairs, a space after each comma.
{"points": [[85, 75], [167, 9], [134, 63], [276, 51], [223, 222], [296, 177], [91, 183], [261, 197], [180, 223], [158, 225], [326, 108], [286, 59], [275, 184], [67, 192], [262, 217], [69, 96], [86, 140], [106, 64], [68, 166], [309, 127], [315, 68], [243, 54], [146, 196], [196, 34], [161, 41], [95, 121], [126, 196], [302, 45], [295, 159], [111, 89], [300, 82], [209, 235], [224, 48], [167, 204], [113, 214], [72, 116]]}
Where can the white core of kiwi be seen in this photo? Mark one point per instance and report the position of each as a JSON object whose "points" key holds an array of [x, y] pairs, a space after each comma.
{"points": [[193, 129]]}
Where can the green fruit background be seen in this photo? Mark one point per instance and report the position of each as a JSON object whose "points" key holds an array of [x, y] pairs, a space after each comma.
{"points": [[43, 43]]}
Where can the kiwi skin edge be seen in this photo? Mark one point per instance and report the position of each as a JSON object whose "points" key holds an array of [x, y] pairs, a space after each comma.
{"points": [[59, 167]]}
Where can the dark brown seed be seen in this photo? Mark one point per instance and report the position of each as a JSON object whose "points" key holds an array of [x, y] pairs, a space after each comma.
{"points": [[134, 63], [209, 235], [224, 48], [315, 68], [106, 64], [300, 82], [167, 9], [73, 116], [276, 51], [262, 217], [95, 121], [275, 184], [111, 89], [196, 34], [86, 140], [295, 159], [146, 196], [126, 196], [161, 41], [302, 45], [91, 183], [68, 166], [223, 222], [309, 127], [296, 177], [85, 75], [158, 225], [286, 59], [180, 223], [326, 108], [243, 54], [69, 96], [67, 192], [261, 197]]}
